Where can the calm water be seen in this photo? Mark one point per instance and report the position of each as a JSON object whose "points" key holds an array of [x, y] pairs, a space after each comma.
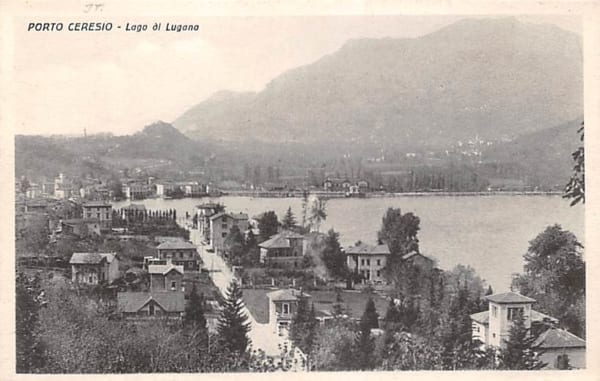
{"points": [[489, 233]]}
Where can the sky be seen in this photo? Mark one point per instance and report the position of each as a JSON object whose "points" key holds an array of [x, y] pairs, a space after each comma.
{"points": [[119, 81]]}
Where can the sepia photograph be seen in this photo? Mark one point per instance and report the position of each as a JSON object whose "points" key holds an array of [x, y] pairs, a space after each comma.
{"points": [[296, 193]]}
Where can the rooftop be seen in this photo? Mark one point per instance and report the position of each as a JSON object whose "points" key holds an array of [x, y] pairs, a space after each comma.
{"points": [[96, 204], [171, 301], [175, 245], [235, 216], [164, 269], [558, 338], [91, 258], [286, 294], [509, 297], [280, 240], [366, 249]]}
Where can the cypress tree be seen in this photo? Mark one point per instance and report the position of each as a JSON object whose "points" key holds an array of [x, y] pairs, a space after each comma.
{"points": [[194, 310], [518, 353], [289, 221], [370, 316], [233, 326], [364, 346]]}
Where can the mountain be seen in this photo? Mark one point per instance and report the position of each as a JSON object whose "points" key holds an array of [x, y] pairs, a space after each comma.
{"points": [[492, 78]]}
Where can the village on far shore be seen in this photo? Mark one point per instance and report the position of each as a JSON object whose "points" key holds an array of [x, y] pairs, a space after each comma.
{"points": [[146, 263]]}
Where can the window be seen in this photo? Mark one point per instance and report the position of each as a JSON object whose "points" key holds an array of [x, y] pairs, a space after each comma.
{"points": [[151, 309], [362, 262], [378, 273], [379, 262], [173, 285], [368, 262], [224, 226], [494, 311], [224, 234], [494, 335], [97, 215], [90, 279], [286, 308], [513, 312]]}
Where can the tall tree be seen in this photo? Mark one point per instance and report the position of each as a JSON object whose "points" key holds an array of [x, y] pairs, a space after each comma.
{"points": [[268, 224], [318, 213], [364, 347], [518, 353], [575, 188], [194, 310], [233, 325], [399, 232], [289, 220], [234, 245], [304, 326], [370, 316], [333, 257], [29, 353], [555, 277]]}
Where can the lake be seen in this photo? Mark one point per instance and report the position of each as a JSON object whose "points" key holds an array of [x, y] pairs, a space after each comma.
{"points": [[489, 233]]}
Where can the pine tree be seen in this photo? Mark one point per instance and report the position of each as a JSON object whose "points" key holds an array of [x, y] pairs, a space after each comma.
{"points": [[194, 310], [289, 221], [233, 326], [364, 347], [370, 316], [518, 353], [304, 325]]}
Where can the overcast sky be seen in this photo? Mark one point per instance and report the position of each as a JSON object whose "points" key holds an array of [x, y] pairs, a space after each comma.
{"points": [[119, 82]]}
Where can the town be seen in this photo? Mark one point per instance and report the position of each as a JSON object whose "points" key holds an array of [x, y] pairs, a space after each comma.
{"points": [[267, 292]]}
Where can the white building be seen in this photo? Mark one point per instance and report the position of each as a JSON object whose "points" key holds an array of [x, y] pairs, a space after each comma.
{"points": [[368, 261]]}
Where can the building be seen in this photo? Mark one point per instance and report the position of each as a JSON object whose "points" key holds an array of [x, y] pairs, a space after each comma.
{"points": [[203, 214], [285, 249], [492, 328], [368, 261], [194, 190], [167, 277], [151, 305], [81, 227], [558, 347], [99, 210], [138, 191], [336, 185], [417, 259], [221, 224], [283, 304], [94, 268], [181, 253], [165, 189]]}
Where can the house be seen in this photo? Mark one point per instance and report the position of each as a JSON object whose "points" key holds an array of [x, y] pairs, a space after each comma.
{"points": [[138, 191], [558, 346], [417, 259], [368, 261], [81, 227], [336, 185], [164, 189], [283, 304], [203, 214], [221, 224], [194, 190], [167, 277], [99, 210], [151, 305], [492, 328], [94, 268], [181, 253], [285, 249]]}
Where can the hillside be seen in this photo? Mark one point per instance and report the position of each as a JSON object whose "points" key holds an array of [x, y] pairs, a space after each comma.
{"points": [[496, 79]]}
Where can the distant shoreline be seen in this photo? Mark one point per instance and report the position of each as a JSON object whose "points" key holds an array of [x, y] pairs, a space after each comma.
{"points": [[331, 195]]}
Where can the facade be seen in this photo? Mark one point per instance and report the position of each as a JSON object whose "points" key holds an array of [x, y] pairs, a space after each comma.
{"points": [[181, 253], [203, 214], [138, 191], [151, 305], [368, 261], [285, 249], [81, 227], [492, 328], [283, 304], [94, 268], [99, 210], [166, 277], [194, 190], [221, 224], [336, 185], [164, 189]]}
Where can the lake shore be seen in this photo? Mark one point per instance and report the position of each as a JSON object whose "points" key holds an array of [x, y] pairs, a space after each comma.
{"points": [[328, 195]]}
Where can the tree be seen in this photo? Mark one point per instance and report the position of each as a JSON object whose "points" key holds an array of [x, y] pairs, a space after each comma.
{"points": [[318, 213], [304, 326], [333, 257], [555, 277], [370, 316], [29, 349], [267, 225], [252, 249], [233, 326], [364, 347], [518, 353], [575, 188], [234, 245], [404, 351], [338, 308], [194, 310], [289, 221], [399, 232], [334, 347], [304, 209]]}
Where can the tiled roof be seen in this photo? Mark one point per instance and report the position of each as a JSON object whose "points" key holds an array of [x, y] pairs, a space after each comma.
{"points": [[235, 216], [176, 245], [86, 258], [538, 316], [558, 338], [171, 301], [95, 204], [109, 256], [286, 294], [482, 317], [280, 240], [164, 269], [365, 249], [413, 254], [509, 297]]}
